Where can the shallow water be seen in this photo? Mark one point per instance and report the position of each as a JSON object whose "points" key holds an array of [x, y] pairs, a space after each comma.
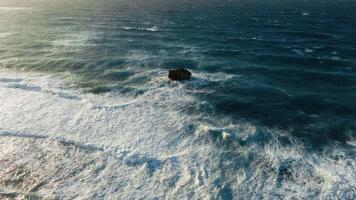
{"points": [[269, 113]]}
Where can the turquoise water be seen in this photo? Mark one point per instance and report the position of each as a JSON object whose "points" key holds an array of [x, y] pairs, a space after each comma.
{"points": [[287, 69]]}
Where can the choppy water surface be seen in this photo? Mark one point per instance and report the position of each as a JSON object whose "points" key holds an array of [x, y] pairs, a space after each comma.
{"points": [[270, 112]]}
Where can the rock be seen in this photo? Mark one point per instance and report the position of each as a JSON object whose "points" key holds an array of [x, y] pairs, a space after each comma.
{"points": [[179, 74]]}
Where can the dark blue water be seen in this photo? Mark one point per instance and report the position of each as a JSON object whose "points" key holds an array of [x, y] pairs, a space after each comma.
{"points": [[294, 61], [286, 66]]}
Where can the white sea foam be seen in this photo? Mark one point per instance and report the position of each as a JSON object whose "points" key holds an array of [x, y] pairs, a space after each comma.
{"points": [[60, 142], [152, 29], [6, 8], [5, 35]]}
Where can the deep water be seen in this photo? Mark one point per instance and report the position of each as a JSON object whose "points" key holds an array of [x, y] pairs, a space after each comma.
{"points": [[277, 77]]}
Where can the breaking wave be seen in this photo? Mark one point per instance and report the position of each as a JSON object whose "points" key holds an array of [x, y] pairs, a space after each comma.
{"points": [[152, 29], [57, 141]]}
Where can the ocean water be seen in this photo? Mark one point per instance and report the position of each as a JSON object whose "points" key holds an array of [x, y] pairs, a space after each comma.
{"points": [[87, 110]]}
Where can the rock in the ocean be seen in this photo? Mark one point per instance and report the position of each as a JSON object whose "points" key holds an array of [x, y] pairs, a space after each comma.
{"points": [[179, 74]]}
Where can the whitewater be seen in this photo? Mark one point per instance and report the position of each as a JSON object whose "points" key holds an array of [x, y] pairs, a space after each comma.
{"points": [[57, 142], [87, 110]]}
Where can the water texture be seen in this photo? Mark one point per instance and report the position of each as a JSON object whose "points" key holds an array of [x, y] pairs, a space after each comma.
{"points": [[87, 110]]}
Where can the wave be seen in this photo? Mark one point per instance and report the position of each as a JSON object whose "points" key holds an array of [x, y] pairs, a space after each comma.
{"points": [[115, 145], [47, 165], [6, 8], [152, 29]]}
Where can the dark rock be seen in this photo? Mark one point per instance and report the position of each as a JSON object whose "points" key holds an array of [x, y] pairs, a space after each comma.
{"points": [[179, 74]]}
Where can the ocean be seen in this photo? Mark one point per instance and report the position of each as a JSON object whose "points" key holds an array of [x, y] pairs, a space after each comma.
{"points": [[87, 110]]}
